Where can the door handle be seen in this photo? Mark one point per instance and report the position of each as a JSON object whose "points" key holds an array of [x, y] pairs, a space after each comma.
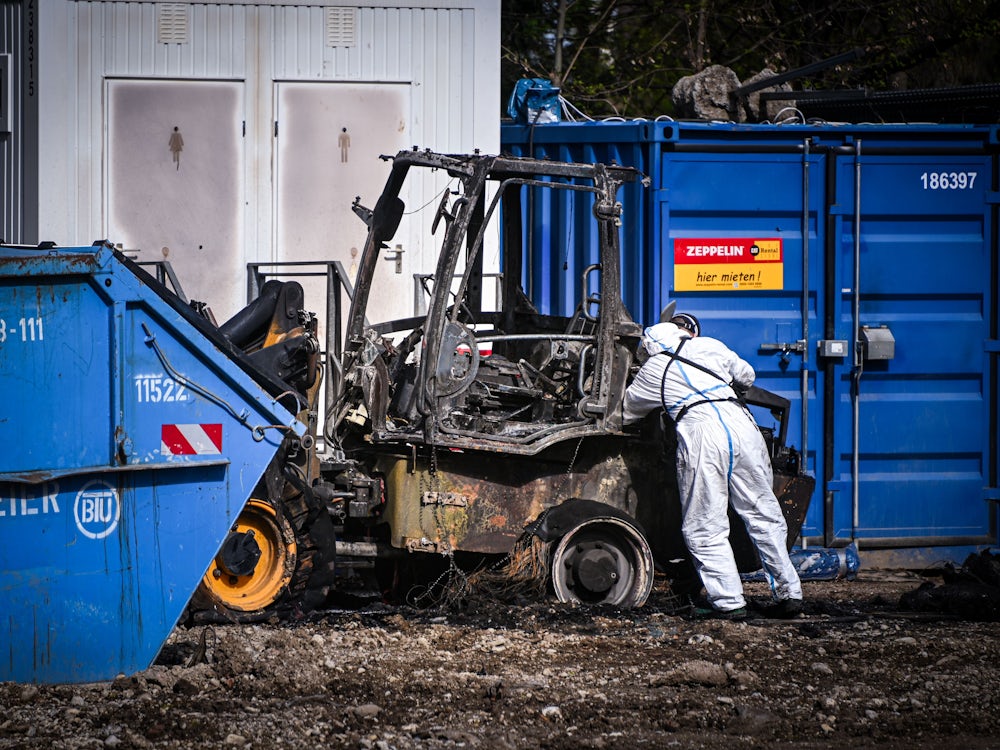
{"points": [[785, 347]]}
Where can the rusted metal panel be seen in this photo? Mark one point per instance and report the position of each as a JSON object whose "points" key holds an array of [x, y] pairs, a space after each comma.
{"points": [[502, 496]]}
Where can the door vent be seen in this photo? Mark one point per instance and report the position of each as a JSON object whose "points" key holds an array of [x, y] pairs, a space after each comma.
{"points": [[172, 23], [340, 27]]}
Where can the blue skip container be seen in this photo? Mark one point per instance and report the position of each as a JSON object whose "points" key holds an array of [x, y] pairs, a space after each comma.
{"points": [[132, 436]]}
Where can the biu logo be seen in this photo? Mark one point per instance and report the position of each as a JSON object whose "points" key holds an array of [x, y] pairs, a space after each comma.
{"points": [[97, 509]]}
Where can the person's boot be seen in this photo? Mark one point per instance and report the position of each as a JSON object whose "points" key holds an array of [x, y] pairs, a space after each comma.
{"points": [[708, 612], [786, 609]]}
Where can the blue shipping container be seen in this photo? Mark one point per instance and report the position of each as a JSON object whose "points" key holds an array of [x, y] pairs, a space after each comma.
{"points": [[855, 266]]}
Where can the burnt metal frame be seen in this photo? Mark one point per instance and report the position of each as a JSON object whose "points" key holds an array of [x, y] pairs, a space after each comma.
{"points": [[464, 233]]}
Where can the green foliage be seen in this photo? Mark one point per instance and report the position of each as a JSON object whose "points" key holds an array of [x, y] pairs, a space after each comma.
{"points": [[619, 57]]}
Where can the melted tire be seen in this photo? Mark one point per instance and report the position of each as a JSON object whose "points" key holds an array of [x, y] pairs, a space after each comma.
{"points": [[314, 575], [603, 560]]}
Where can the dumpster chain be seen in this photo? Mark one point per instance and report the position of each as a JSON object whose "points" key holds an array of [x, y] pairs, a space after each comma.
{"points": [[256, 431]]}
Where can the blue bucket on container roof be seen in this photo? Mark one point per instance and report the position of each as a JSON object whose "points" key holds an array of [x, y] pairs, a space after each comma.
{"points": [[132, 439]]}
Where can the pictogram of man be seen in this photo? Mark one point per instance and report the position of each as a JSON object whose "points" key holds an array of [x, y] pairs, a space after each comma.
{"points": [[176, 146], [344, 142]]}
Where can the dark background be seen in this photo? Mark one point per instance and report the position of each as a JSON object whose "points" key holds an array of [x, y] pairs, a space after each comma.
{"points": [[623, 57]]}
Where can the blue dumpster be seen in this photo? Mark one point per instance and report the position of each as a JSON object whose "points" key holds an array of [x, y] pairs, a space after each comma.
{"points": [[132, 436]]}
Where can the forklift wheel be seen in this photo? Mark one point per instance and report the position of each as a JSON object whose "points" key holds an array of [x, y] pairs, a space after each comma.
{"points": [[256, 562], [603, 560]]}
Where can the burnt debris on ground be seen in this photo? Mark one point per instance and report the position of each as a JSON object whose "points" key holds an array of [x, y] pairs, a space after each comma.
{"points": [[970, 592], [855, 670]]}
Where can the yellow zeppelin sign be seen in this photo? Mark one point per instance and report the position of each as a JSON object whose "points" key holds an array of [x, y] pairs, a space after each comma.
{"points": [[704, 265]]}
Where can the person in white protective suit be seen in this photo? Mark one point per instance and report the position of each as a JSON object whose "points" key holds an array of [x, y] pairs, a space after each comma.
{"points": [[721, 459]]}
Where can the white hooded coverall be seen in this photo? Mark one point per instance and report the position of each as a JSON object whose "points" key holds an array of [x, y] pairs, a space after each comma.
{"points": [[721, 458]]}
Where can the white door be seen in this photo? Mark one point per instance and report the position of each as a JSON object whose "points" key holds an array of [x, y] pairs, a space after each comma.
{"points": [[329, 139], [175, 182]]}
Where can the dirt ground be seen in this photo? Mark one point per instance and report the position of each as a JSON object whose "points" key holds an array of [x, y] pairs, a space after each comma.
{"points": [[853, 671]]}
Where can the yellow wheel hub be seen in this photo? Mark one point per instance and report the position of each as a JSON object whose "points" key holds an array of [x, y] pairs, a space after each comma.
{"points": [[256, 562]]}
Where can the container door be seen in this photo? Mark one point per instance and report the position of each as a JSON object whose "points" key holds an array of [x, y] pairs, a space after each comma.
{"points": [[910, 417], [329, 139], [732, 252], [175, 182]]}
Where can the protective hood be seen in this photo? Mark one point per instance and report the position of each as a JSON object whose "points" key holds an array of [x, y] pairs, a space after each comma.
{"points": [[663, 337]]}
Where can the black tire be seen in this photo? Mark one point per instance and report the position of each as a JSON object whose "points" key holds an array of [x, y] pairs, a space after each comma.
{"points": [[295, 546]]}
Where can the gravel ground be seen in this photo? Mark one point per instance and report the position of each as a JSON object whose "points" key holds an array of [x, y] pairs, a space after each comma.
{"points": [[853, 671]]}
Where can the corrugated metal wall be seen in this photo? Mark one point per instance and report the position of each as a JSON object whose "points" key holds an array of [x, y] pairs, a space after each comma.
{"points": [[11, 144]]}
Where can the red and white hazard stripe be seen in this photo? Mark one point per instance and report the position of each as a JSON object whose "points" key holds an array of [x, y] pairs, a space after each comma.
{"points": [[191, 439]]}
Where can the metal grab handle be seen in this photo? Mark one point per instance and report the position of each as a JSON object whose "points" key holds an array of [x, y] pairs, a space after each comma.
{"points": [[586, 300]]}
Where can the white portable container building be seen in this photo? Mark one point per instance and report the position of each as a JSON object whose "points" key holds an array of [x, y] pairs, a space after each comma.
{"points": [[214, 135]]}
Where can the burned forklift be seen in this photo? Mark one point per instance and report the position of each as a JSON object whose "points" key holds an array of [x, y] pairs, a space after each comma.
{"points": [[485, 429]]}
